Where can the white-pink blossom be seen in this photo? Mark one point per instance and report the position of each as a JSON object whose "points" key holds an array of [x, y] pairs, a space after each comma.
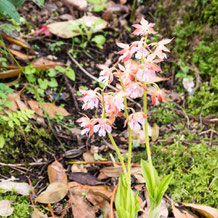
{"points": [[103, 127], [145, 75], [106, 74], [90, 99], [136, 120], [133, 90]]}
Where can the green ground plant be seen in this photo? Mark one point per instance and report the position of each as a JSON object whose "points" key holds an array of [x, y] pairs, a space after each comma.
{"points": [[21, 204]]}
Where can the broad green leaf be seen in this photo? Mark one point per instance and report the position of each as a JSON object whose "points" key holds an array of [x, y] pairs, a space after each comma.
{"points": [[124, 193], [17, 3], [8, 9], [163, 186], [40, 3], [53, 83], [147, 174]]}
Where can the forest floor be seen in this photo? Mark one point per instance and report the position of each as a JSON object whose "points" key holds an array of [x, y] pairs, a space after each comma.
{"points": [[44, 144]]}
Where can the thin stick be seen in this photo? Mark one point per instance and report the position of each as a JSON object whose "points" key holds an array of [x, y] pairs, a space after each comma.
{"points": [[51, 210], [111, 201]]}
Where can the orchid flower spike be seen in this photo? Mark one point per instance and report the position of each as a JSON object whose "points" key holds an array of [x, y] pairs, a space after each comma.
{"points": [[158, 94]]}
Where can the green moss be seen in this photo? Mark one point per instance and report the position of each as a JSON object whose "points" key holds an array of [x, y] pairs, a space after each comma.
{"points": [[204, 101], [21, 204], [162, 114], [195, 170]]}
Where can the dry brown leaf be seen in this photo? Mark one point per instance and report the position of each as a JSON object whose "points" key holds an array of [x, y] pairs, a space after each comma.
{"points": [[79, 168], [98, 201], [84, 178], [56, 173], [5, 208], [116, 171], [80, 207], [181, 214], [19, 187], [51, 109], [37, 214], [62, 29], [81, 4], [154, 132], [21, 55], [206, 211], [19, 42], [12, 98], [54, 193], [45, 63], [103, 189], [10, 73], [88, 156], [35, 106]]}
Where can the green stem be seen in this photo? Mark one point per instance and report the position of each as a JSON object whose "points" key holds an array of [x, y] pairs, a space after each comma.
{"points": [[147, 137], [130, 135]]}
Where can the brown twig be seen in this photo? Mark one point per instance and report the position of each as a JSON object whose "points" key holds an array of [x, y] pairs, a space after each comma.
{"points": [[112, 201], [20, 165], [51, 210]]}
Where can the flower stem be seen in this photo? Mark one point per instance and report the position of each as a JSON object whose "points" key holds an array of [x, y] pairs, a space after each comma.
{"points": [[119, 155], [129, 133]]}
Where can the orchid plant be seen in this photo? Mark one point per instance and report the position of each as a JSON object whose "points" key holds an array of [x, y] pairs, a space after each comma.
{"points": [[136, 76]]}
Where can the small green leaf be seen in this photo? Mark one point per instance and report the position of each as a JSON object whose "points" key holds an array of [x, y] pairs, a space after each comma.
{"points": [[53, 83], [99, 39], [98, 8], [70, 73], [52, 72], [2, 141]]}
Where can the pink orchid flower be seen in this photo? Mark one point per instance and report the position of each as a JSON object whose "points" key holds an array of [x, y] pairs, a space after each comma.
{"points": [[158, 94], [86, 123], [144, 28], [133, 90], [136, 120], [43, 30], [145, 75], [126, 52], [90, 99], [161, 48], [103, 126], [106, 74]]}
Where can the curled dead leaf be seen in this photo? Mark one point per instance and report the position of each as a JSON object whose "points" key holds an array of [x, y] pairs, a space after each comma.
{"points": [[206, 211], [54, 193], [56, 173]]}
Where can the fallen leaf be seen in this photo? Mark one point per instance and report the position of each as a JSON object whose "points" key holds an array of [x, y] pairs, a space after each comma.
{"points": [[19, 187], [21, 55], [80, 207], [103, 189], [98, 201], [56, 173], [45, 62], [154, 132], [64, 30], [79, 168], [19, 42], [5, 208], [88, 156], [51, 109], [181, 214], [116, 171], [81, 4], [84, 178], [54, 193], [206, 211], [37, 214]]}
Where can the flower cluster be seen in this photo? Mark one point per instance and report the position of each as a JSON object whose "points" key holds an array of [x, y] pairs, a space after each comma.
{"points": [[136, 72]]}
